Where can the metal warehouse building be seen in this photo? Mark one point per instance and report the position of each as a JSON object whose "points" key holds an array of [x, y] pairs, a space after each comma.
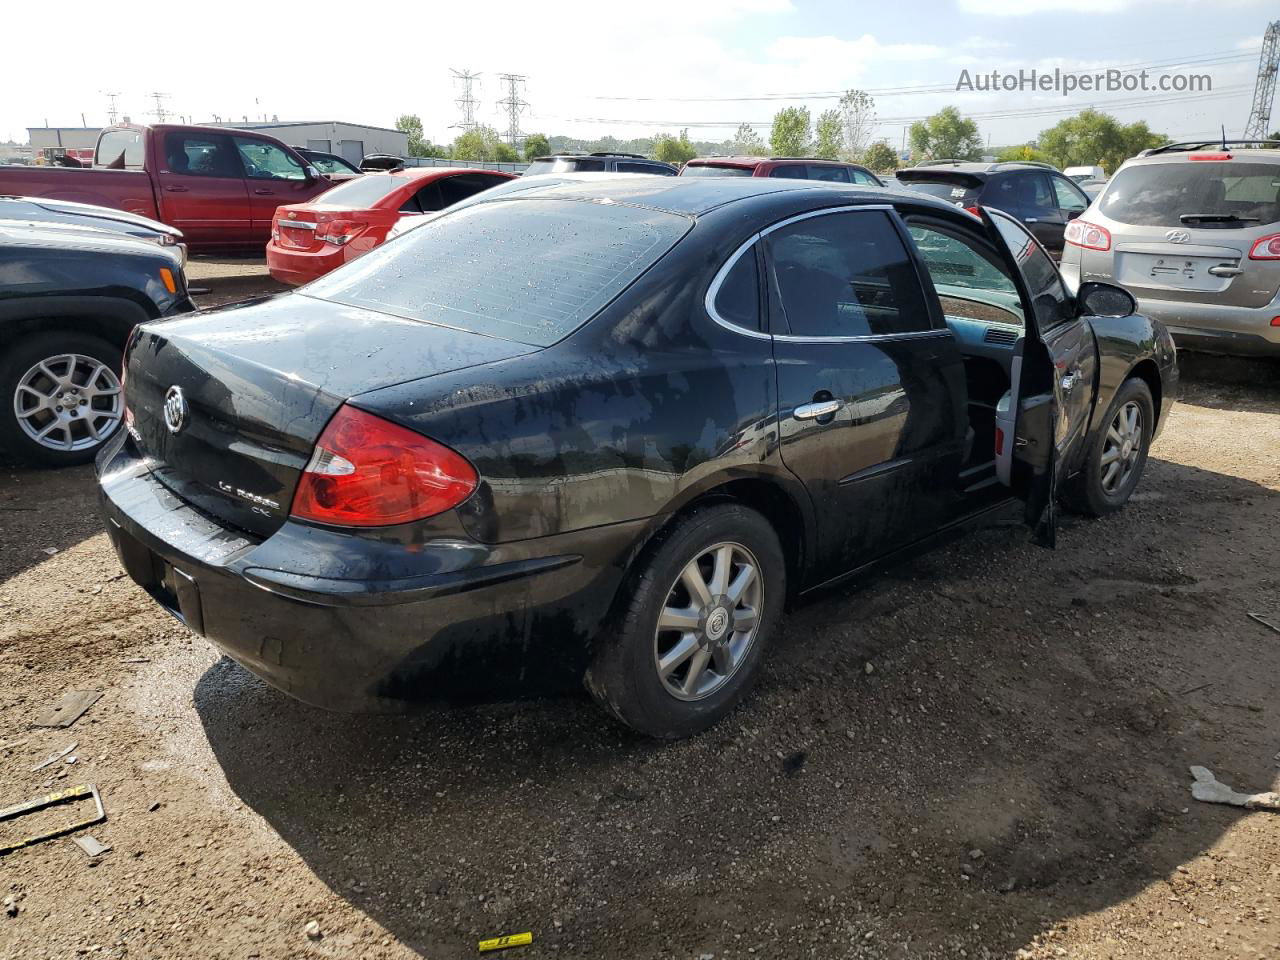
{"points": [[351, 141]]}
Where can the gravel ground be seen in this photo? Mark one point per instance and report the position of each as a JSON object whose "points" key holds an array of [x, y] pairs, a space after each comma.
{"points": [[982, 753]]}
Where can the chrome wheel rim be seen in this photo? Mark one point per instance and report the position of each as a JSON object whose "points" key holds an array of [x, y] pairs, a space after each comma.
{"points": [[1122, 449], [68, 402], [709, 621]]}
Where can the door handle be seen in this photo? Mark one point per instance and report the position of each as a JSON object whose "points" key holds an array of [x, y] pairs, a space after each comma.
{"points": [[1030, 219], [263, 192], [812, 411], [176, 189], [1226, 270]]}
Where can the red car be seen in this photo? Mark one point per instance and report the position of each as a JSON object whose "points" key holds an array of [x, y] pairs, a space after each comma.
{"points": [[791, 168], [310, 239]]}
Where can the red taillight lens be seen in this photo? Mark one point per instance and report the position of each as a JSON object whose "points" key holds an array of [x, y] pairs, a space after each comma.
{"points": [[1082, 233], [1209, 156], [973, 210], [368, 472], [1266, 248], [999, 441], [339, 231]]}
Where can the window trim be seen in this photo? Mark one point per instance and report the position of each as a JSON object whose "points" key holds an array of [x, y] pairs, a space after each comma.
{"points": [[908, 247]]}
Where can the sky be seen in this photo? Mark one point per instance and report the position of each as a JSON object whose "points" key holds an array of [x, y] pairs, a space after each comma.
{"points": [[626, 70]]}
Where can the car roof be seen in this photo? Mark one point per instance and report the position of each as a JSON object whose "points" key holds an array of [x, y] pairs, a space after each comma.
{"points": [[977, 167], [694, 196], [745, 161], [1260, 155]]}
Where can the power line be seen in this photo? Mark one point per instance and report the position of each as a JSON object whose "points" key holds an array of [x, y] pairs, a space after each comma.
{"points": [[513, 105], [467, 103]]}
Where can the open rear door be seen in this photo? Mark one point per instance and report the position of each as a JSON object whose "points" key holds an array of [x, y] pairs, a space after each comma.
{"points": [[1045, 415]]}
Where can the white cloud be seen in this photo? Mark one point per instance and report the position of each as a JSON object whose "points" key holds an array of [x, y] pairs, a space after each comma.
{"points": [[1022, 8], [850, 53]]}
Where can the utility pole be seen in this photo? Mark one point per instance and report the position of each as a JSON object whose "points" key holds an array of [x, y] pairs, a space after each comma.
{"points": [[159, 111], [1264, 90], [514, 106], [111, 108], [467, 103]]}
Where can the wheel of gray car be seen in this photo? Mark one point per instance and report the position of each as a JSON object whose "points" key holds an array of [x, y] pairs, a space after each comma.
{"points": [[1118, 453], [690, 637], [62, 398]]}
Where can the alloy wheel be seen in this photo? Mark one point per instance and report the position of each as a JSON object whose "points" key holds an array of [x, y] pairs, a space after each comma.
{"points": [[709, 621], [68, 402], [1123, 448]]}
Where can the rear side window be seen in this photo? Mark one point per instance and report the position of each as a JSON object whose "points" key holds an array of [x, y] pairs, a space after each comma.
{"points": [[738, 299], [200, 156], [791, 171], [820, 171], [120, 150], [1158, 195], [454, 189], [528, 270], [1022, 194], [566, 165], [711, 170], [846, 275], [361, 193]]}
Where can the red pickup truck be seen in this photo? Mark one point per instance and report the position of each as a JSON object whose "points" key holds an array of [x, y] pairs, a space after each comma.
{"points": [[218, 185]]}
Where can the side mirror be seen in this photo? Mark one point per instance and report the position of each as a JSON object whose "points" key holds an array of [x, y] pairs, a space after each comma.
{"points": [[1105, 300], [312, 173]]}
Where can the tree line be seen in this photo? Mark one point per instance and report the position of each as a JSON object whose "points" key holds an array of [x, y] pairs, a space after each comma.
{"points": [[843, 132]]}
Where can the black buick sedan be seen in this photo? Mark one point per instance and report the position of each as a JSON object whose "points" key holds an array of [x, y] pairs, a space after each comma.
{"points": [[608, 430]]}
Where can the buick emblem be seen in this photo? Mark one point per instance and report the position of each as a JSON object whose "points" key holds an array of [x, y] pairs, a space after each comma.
{"points": [[1178, 236], [175, 409]]}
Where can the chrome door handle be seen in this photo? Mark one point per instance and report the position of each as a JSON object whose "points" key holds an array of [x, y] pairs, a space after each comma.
{"points": [[1030, 219], [263, 192], [1225, 270], [176, 189], [812, 411]]}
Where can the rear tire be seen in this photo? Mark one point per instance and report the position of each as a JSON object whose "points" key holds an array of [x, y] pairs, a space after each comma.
{"points": [[1118, 455], [60, 398], [679, 657]]}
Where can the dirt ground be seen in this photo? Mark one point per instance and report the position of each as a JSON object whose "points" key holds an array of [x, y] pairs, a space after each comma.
{"points": [[983, 753]]}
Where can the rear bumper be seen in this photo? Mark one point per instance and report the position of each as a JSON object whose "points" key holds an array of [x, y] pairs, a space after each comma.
{"points": [[472, 621], [297, 267], [1219, 328]]}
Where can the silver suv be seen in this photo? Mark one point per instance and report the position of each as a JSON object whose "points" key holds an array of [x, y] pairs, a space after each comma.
{"points": [[1192, 230]]}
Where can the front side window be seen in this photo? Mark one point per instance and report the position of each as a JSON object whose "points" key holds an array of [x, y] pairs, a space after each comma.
{"points": [[864, 178], [738, 299], [199, 156], [971, 280], [1048, 295], [846, 275], [528, 270], [266, 161], [1070, 198]]}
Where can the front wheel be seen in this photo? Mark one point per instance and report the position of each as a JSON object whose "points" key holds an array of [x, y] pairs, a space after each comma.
{"points": [[691, 636], [1119, 452], [60, 397]]}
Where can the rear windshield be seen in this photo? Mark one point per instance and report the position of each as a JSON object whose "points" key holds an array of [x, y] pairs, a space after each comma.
{"points": [[565, 165], [361, 193], [120, 150], [529, 270], [711, 170], [1159, 195], [962, 195]]}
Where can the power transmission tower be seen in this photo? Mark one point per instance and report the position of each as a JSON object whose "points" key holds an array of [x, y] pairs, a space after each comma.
{"points": [[111, 109], [514, 106], [1264, 90], [159, 111], [467, 103]]}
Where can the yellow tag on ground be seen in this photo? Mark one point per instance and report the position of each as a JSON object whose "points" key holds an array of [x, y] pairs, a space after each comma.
{"points": [[511, 940]]}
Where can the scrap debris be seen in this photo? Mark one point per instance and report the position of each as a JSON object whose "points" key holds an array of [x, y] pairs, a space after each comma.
{"points": [[1212, 790], [502, 943], [69, 795], [90, 845], [50, 761], [69, 709], [1265, 621]]}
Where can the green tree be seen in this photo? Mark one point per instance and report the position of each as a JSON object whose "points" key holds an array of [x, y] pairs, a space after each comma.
{"points": [[829, 132], [411, 124], [880, 157], [677, 150], [747, 143], [790, 134], [1092, 138], [1023, 152], [945, 135], [858, 116], [504, 152], [536, 145]]}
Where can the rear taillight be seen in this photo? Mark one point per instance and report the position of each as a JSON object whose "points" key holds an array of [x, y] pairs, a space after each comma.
{"points": [[1209, 156], [1082, 233], [973, 210], [339, 232], [1266, 248], [368, 472]]}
